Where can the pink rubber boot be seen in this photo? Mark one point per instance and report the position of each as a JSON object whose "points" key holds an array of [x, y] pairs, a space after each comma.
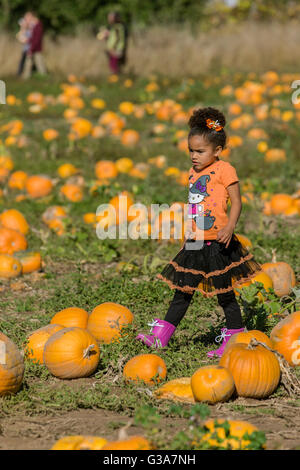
{"points": [[225, 336], [160, 333]]}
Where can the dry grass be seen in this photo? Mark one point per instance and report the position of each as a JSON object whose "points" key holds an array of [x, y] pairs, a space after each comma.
{"points": [[174, 51]]}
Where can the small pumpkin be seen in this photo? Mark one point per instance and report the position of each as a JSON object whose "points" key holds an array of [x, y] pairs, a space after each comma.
{"points": [[71, 353], [34, 347], [285, 337], [130, 137], [132, 443], [280, 202], [106, 169], [176, 390], [144, 367], [30, 260], [13, 219], [38, 186], [212, 384], [10, 267], [70, 317], [235, 439], [282, 275], [17, 180], [107, 320], [11, 367], [11, 241], [255, 369], [79, 443], [72, 192]]}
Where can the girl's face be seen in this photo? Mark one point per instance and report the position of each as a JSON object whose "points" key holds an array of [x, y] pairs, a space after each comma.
{"points": [[202, 152]]}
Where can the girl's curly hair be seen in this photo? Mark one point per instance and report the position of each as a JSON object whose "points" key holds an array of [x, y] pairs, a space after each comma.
{"points": [[198, 125]]}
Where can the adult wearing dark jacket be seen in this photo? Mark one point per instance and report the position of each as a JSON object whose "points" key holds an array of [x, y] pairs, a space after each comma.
{"points": [[35, 43]]}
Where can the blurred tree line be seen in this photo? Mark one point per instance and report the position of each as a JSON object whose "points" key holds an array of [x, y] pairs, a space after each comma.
{"points": [[64, 16]]}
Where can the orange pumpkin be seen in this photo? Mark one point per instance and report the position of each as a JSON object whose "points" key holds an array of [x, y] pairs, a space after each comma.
{"points": [[106, 169], [176, 390], [10, 267], [145, 367], [280, 202], [36, 342], [236, 438], [79, 443], [17, 180], [71, 353], [107, 320], [50, 134], [246, 336], [282, 275], [53, 212], [38, 186], [13, 219], [120, 202], [11, 241], [212, 384], [11, 367], [70, 317], [66, 170], [244, 241], [132, 443], [72, 192], [130, 137], [285, 338], [255, 369], [81, 127], [275, 155], [30, 260]]}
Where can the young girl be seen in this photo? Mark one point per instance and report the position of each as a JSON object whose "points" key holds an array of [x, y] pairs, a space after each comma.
{"points": [[220, 260]]}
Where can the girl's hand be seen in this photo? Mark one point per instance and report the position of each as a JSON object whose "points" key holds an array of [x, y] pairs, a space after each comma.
{"points": [[225, 235]]}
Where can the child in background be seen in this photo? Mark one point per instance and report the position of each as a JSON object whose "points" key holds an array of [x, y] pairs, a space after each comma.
{"points": [[218, 260]]}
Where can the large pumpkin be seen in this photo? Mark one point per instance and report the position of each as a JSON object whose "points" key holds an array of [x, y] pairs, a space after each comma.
{"points": [[11, 366], [71, 353], [71, 316], [13, 219], [107, 320], [9, 267], [36, 342], [212, 384], [176, 390], [255, 369], [79, 443], [285, 337], [246, 336], [11, 241], [145, 367], [282, 275]]}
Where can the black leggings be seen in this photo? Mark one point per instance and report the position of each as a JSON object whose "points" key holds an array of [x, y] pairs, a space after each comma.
{"points": [[227, 301]]}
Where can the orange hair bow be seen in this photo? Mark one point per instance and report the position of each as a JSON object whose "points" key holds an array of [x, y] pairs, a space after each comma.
{"points": [[214, 125]]}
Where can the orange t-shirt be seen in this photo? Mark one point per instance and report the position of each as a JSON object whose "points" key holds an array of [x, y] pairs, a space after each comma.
{"points": [[208, 198]]}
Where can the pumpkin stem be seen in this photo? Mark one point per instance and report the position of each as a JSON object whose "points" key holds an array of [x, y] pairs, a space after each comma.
{"points": [[274, 258], [122, 435], [87, 351], [289, 380]]}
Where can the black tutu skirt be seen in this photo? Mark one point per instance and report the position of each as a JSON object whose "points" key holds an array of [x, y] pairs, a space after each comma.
{"points": [[211, 270]]}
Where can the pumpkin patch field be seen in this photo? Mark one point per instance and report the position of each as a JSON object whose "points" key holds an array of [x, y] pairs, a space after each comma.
{"points": [[72, 375]]}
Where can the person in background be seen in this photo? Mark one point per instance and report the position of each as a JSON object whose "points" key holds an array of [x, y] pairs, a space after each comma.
{"points": [[34, 53], [115, 36], [23, 37]]}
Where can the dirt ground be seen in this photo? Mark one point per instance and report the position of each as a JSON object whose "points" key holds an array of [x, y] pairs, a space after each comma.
{"points": [[277, 418]]}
